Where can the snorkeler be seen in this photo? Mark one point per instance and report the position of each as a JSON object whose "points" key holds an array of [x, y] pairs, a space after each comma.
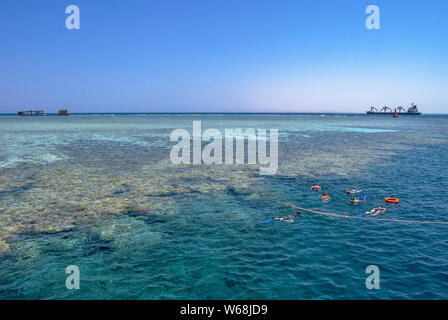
{"points": [[376, 211], [325, 197], [353, 191], [289, 218], [316, 187], [354, 201]]}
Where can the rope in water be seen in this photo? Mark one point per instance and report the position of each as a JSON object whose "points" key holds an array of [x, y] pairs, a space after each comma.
{"points": [[362, 218]]}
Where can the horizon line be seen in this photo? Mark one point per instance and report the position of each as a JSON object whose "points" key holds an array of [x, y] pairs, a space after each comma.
{"points": [[262, 112]]}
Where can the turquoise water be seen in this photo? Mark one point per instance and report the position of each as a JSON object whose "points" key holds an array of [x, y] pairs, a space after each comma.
{"points": [[99, 192]]}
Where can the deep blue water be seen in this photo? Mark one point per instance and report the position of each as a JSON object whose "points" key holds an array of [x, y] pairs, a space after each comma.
{"points": [[101, 193]]}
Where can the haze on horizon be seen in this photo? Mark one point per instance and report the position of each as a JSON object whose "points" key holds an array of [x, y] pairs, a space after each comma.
{"points": [[223, 56]]}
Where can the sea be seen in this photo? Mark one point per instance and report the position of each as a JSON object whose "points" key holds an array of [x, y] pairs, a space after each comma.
{"points": [[99, 192]]}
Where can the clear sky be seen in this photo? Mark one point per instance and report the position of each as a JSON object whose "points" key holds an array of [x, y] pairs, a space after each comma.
{"points": [[223, 56]]}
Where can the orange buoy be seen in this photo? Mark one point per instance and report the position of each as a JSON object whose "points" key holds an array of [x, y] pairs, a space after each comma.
{"points": [[392, 200]]}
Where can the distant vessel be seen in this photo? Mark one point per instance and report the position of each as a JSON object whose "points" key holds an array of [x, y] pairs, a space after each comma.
{"points": [[31, 113], [63, 112], [398, 110]]}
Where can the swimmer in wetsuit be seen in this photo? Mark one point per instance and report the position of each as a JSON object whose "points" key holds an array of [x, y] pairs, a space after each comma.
{"points": [[376, 211], [289, 218]]}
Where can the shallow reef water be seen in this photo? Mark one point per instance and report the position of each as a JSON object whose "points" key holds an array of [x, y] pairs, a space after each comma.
{"points": [[100, 192]]}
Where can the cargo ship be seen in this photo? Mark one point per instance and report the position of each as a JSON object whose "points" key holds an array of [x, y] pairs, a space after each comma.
{"points": [[413, 110]]}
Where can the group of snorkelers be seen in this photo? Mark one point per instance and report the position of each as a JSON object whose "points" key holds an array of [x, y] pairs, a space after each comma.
{"points": [[353, 201], [356, 201], [325, 197]]}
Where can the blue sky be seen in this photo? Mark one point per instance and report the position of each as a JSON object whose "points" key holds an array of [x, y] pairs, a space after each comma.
{"points": [[223, 56]]}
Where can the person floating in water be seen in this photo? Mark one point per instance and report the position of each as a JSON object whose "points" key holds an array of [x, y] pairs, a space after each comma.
{"points": [[354, 201], [325, 197], [289, 218], [353, 191], [316, 187], [376, 211]]}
